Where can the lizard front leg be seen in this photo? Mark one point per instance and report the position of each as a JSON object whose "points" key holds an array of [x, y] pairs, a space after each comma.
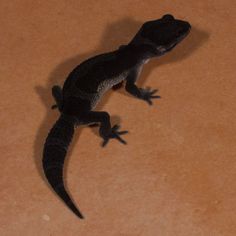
{"points": [[141, 93], [105, 131]]}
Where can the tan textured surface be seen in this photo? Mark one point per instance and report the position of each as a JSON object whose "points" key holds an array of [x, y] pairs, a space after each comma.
{"points": [[176, 176]]}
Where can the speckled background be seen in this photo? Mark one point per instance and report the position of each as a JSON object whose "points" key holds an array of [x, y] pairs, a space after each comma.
{"points": [[176, 176]]}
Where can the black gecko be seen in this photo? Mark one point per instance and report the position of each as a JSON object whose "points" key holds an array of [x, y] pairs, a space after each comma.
{"points": [[87, 83]]}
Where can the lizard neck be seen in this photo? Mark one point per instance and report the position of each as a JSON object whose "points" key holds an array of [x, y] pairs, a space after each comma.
{"points": [[138, 53]]}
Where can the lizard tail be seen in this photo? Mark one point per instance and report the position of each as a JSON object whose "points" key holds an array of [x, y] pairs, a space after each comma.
{"points": [[55, 149]]}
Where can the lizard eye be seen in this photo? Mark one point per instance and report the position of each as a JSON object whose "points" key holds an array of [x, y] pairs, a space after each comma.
{"points": [[168, 17]]}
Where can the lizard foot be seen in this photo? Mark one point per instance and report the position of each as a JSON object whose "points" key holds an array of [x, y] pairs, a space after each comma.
{"points": [[148, 94], [114, 133]]}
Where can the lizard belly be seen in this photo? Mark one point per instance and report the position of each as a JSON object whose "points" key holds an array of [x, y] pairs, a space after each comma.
{"points": [[95, 97], [103, 87], [109, 83]]}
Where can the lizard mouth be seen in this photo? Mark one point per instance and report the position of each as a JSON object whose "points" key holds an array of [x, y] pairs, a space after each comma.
{"points": [[179, 39]]}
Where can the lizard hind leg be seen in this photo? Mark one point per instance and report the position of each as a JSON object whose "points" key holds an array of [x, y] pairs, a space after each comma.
{"points": [[106, 131], [57, 94]]}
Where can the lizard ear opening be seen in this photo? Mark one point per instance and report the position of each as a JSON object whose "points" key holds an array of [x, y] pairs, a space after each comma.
{"points": [[168, 17]]}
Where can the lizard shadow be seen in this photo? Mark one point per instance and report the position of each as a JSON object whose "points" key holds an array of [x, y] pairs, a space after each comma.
{"points": [[115, 34]]}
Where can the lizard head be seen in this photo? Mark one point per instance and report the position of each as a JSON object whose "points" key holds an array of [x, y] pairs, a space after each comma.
{"points": [[162, 34]]}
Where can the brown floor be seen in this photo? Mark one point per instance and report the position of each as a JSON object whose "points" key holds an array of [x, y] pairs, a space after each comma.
{"points": [[176, 176]]}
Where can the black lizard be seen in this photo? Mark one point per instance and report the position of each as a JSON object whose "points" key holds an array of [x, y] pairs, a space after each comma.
{"points": [[87, 83]]}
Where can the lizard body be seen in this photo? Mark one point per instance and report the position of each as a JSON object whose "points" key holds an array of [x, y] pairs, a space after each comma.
{"points": [[86, 84]]}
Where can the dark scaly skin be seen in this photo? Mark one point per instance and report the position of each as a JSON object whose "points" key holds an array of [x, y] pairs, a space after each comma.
{"points": [[54, 154], [87, 83]]}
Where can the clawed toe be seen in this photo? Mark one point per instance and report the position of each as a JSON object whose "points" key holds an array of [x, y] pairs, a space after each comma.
{"points": [[148, 94], [115, 134]]}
